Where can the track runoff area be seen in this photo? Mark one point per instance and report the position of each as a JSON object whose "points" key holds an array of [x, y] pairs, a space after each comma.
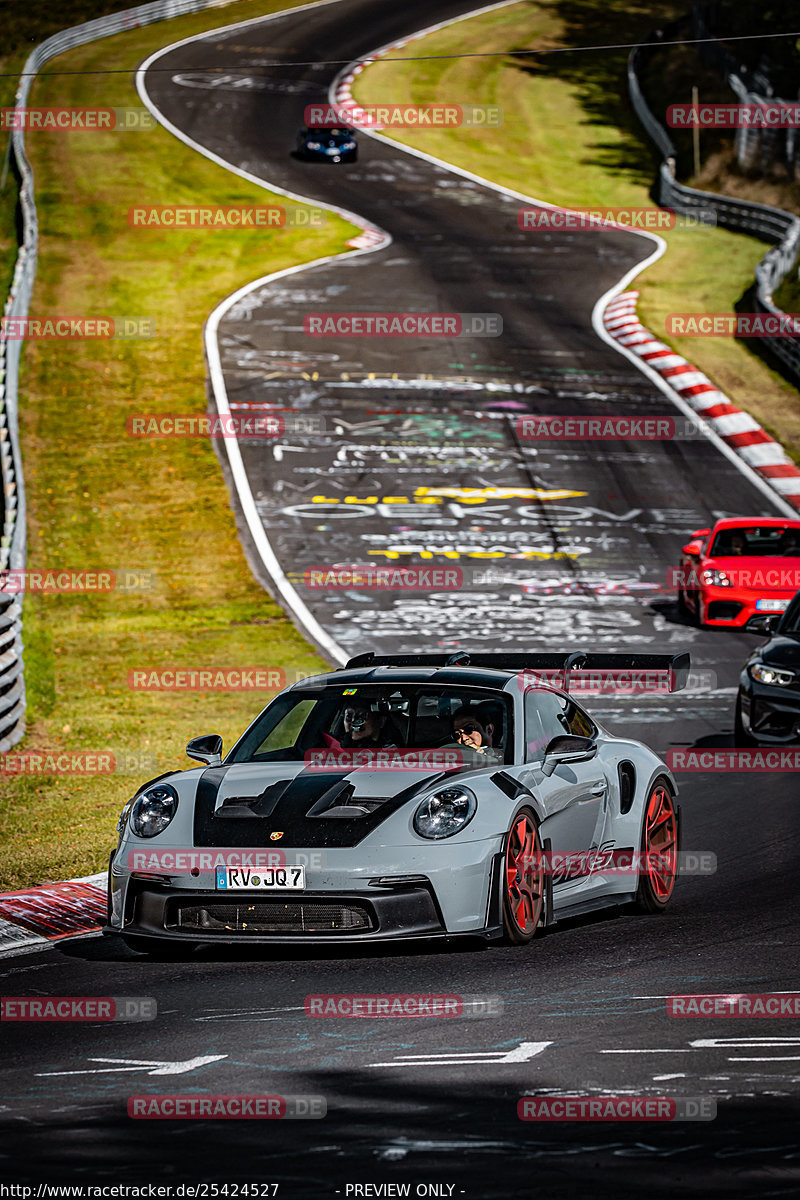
{"points": [[571, 1060]]}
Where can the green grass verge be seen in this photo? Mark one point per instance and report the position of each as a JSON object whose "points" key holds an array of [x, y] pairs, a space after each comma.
{"points": [[98, 498], [787, 296], [24, 26], [570, 137]]}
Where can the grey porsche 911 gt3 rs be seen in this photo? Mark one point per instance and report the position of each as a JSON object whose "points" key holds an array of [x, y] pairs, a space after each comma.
{"points": [[401, 797]]}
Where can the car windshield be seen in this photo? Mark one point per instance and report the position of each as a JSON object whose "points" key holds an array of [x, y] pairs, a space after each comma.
{"points": [[300, 724], [757, 541]]}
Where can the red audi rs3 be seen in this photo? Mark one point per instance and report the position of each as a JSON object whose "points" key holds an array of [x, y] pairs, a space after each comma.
{"points": [[742, 567]]}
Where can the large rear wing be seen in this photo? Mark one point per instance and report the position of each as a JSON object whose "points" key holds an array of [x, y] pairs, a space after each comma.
{"points": [[673, 669]]}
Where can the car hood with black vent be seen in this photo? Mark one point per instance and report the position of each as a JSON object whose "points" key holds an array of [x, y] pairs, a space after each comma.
{"points": [[245, 804]]}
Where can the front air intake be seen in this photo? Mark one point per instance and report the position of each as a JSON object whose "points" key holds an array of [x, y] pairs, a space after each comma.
{"points": [[316, 917]]}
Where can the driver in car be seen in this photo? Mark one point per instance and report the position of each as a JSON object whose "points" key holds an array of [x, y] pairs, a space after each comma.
{"points": [[363, 727], [476, 729]]}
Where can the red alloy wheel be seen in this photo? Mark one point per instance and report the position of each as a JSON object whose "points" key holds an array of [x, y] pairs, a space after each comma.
{"points": [[660, 845], [524, 882]]}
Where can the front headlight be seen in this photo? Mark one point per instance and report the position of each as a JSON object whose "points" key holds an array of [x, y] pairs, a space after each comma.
{"points": [[715, 578], [445, 812], [313, 146], [767, 674], [153, 810]]}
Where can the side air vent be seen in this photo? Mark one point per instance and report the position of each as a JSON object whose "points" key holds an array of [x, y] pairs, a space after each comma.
{"points": [[627, 785]]}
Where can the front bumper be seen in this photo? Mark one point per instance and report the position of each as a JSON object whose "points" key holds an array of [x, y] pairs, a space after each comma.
{"points": [[731, 608], [404, 912], [771, 714], [322, 156], [458, 877]]}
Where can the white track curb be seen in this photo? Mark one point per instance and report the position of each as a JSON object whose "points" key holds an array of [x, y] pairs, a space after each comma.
{"points": [[733, 425], [31, 919]]}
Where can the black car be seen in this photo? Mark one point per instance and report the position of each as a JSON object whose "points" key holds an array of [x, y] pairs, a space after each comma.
{"points": [[335, 143], [768, 703]]}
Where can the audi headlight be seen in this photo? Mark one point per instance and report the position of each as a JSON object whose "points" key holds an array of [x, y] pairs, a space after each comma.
{"points": [[445, 812], [152, 811], [766, 674], [715, 578]]}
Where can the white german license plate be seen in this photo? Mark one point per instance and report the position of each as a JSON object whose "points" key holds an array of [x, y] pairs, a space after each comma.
{"points": [[245, 879], [772, 605]]}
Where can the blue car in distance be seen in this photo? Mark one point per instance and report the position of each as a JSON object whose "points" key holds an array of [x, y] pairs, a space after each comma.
{"points": [[335, 143]]}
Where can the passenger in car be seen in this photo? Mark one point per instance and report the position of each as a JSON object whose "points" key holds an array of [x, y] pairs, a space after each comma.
{"points": [[476, 729]]}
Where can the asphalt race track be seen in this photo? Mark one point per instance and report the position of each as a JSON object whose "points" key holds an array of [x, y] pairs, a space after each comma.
{"points": [[448, 419], [584, 1008]]}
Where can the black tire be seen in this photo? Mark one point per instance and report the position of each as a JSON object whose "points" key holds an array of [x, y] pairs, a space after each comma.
{"points": [[656, 887], [524, 895], [696, 614], [740, 735], [159, 948]]}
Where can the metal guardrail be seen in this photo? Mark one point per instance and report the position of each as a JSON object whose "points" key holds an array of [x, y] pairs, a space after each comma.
{"points": [[741, 216], [12, 540]]}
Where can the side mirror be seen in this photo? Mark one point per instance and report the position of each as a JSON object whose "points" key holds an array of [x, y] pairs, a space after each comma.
{"points": [[206, 749], [762, 623], [699, 533], [567, 748], [693, 548]]}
